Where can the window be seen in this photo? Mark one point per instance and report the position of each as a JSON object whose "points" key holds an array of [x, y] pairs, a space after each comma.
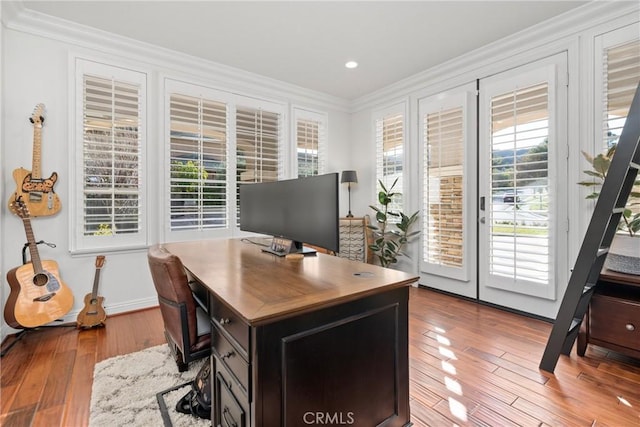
{"points": [[212, 145], [619, 53], [198, 163], [110, 140], [617, 56], [389, 132], [259, 157], [310, 134]]}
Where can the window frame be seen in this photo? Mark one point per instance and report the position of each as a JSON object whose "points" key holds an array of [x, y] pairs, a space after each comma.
{"points": [[78, 242], [172, 86]]}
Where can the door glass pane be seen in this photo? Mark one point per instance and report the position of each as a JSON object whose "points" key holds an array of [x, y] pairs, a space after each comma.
{"points": [[519, 211], [443, 198]]}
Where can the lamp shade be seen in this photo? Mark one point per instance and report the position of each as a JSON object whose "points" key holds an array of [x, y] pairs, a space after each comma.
{"points": [[349, 176]]}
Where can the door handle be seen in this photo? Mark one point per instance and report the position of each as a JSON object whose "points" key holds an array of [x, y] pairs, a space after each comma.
{"points": [[482, 203]]}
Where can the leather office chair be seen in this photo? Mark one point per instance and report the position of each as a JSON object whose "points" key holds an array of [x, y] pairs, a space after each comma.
{"points": [[186, 323]]}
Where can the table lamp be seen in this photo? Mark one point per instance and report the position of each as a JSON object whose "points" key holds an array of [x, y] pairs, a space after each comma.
{"points": [[349, 177]]}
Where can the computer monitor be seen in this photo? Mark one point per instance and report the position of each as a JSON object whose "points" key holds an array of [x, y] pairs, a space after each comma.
{"points": [[303, 210]]}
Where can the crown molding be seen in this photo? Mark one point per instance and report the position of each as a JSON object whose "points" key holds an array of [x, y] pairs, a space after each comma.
{"points": [[561, 27], [15, 16]]}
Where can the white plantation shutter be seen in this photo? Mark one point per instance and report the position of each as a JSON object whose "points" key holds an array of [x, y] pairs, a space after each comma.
{"points": [[307, 136], [310, 142], [198, 163], [259, 157], [111, 155], [444, 187], [621, 74], [390, 154], [520, 211], [447, 134]]}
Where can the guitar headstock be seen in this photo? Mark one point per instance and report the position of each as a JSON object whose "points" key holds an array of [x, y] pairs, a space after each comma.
{"points": [[99, 261], [37, 118], [19, 208]]}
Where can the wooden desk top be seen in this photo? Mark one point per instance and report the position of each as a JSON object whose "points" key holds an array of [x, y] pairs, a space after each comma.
{"points": [[616, 277], [262, 287]]}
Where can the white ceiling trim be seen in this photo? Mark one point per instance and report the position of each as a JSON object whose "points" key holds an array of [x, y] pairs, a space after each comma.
{"points": [[16, 17], [466, 67]]}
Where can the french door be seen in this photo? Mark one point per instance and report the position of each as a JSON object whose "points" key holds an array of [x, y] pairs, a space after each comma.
{"points": [[522, 224], [448, 128]]}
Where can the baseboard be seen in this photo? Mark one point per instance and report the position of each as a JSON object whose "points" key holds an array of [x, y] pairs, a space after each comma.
{"points": [[488, 304], [72, 316]]}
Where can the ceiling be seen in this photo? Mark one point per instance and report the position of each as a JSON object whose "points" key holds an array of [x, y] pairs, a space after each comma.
{"points": [[306, 43]]}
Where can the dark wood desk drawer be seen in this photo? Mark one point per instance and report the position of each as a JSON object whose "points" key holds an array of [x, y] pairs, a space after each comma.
{"points": [[228, 321], [228, 355], [231, 407], [615, 320]]}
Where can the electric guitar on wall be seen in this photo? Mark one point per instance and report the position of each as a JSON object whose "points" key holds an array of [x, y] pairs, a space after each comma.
{"points": [[37, 193], [93, 313], [38, 294]]}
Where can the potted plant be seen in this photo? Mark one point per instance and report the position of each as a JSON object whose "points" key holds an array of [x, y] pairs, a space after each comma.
{"points": [[624, 253], [388, 242]]}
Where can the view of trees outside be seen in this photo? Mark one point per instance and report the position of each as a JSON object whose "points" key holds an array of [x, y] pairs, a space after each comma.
{"points": [[111, 176], [198, 158], [520, 177]]}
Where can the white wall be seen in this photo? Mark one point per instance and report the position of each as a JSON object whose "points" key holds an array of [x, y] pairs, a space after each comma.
{"points": [[35, 68], [572, 33], [37, 54]]}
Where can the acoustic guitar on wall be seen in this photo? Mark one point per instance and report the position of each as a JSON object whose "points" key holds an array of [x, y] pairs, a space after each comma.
{"points": [[93, 313], [37, 193], [38, 294]]}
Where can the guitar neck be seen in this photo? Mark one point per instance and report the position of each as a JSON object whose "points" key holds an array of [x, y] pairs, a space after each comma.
{"points": [[33, 247], [96, 280], [36, 173]]}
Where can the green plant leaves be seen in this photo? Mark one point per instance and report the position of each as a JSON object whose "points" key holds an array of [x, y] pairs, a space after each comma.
{"points": [[388, 244], [601, 163]]}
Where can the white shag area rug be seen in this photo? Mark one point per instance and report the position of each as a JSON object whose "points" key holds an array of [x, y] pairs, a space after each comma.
{"points": [[125, 387]]}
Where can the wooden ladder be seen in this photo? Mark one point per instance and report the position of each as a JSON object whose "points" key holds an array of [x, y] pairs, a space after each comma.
{"points": [[608, 212]]}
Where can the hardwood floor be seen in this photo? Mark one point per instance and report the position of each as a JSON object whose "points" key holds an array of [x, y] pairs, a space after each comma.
{"points": [[469, 365]]}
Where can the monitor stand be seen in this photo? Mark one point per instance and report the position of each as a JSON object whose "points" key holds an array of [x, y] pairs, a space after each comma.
{"points": [[282, 247]]}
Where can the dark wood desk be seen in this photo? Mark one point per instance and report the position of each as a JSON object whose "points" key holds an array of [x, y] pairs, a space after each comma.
{"points": [[317, 341]]}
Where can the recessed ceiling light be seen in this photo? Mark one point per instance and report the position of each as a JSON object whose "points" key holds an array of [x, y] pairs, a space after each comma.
{"points": [[351, 64]]}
